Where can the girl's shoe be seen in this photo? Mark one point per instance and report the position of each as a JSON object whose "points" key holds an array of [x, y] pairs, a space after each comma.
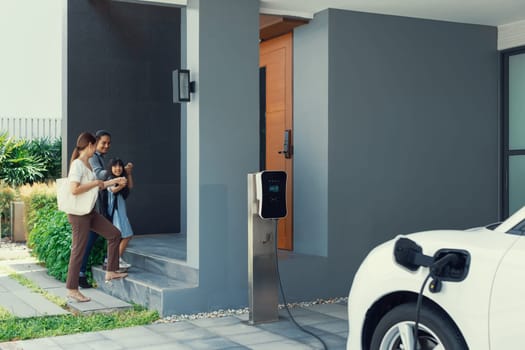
{"points": [[122, 265]]}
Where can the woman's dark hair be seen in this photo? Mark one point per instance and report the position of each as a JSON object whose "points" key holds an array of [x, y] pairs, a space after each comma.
{"points": [[117, 161], [84, 140]]}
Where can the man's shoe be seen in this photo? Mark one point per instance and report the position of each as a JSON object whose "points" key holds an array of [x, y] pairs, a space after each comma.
{"points": [[83, 282], [122, 265]]}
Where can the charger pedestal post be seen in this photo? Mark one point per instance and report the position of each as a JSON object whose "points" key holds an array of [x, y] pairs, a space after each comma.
{"points": [[263, 297]]}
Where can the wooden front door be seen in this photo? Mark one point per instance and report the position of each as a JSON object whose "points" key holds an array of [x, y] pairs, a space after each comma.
{"points": [[276, 58]]}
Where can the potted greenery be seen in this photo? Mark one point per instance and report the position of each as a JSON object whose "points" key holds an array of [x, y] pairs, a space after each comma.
{"points": [[24, 162]]}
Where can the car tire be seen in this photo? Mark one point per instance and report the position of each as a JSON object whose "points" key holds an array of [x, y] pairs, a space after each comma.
{"points": [[434, 329]]}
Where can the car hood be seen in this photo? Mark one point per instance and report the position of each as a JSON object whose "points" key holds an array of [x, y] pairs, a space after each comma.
{"points": [[474, 240]]}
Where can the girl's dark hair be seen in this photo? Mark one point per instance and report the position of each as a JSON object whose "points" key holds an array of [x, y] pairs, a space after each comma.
{"points": [[84, 140], [117, 161]]}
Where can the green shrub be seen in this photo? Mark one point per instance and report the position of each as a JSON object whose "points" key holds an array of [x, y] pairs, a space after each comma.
{"points": [[18, 165], [50, 153], [50, 234], [7, 194]]}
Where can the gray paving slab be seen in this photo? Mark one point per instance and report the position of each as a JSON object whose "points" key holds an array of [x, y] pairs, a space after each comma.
{"points": [[24, 266], [43, 280], [10, 285], [136, 337], [238, 331], [334, 310], [103, 344], [16, 306], [332, 327], [170, 327], [173, 346], [22, 302], [40, 303], [233, 329], [282, 345], [255, 337], [81, 338], [309, 318], [100, 301], [190, 334], [34, 344], [211, 343]]}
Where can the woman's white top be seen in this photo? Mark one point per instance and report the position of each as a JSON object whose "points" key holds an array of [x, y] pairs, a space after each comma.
{"points": [[80, 173]]}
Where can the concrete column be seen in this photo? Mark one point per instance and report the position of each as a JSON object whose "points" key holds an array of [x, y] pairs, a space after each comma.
{"points": [[222, 141]]}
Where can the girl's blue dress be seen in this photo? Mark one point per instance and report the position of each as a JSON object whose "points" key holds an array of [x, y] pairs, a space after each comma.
{"points": [[120, 216]]}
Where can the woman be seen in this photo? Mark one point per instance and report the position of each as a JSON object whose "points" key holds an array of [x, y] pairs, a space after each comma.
{"points": [[82, 179], [103, 145]]}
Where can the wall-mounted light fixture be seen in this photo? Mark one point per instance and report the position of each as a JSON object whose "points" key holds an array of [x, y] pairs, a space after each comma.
{"points": [[182, 86]]}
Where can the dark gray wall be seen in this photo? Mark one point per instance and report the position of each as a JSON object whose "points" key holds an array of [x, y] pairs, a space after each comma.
{"points": [[120, 58], [412, 137]]}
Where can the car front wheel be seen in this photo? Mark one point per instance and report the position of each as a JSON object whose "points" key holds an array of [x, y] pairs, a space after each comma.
{"points": [[395, 331]]}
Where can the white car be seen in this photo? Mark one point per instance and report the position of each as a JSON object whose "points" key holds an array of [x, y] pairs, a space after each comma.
{"points": [[473, 295]]}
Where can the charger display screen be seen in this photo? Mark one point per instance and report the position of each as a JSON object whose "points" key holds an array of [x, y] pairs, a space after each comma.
{"points": [[273, 188]]}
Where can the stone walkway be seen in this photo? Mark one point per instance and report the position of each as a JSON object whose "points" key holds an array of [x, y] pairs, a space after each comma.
{"points": [[329, 321], [22, 302]]}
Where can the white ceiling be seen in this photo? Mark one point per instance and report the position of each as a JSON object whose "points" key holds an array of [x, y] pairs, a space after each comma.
{"points": [[489, 12]]}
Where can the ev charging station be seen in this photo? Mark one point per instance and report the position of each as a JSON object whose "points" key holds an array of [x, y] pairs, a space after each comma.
{"points": [[266, 204]]}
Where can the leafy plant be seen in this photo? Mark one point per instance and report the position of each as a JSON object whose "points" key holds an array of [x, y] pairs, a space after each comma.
{"points": [[50, 153], [18, 165], [7, 194]]}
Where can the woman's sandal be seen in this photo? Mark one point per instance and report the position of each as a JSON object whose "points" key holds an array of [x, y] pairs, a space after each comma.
{"points": [[78, 297], [114, 276]]}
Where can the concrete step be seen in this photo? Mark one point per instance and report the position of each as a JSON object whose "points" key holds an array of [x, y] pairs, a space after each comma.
{"points": [[154, 290], [160, 264]]}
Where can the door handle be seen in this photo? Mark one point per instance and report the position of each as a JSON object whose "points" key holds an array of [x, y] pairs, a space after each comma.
{"points": [[268, 238], [287, 146]]}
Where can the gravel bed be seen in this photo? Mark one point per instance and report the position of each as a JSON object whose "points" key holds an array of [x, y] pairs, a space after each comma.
{"points": [[13, 250], [237, 312]]}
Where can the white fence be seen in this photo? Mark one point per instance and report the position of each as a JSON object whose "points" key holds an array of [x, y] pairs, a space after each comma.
{"points": [[31, 128]]}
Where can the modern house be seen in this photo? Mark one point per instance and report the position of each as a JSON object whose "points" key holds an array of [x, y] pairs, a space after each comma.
{"points": [[398, 124]]}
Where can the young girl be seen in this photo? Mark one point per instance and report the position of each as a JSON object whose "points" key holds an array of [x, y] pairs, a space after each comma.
{"points": [[117, 205]]}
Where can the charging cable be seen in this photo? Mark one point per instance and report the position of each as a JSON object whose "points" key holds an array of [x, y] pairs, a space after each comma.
{"points": [[275, 223], [435, 287], [418, 309]]}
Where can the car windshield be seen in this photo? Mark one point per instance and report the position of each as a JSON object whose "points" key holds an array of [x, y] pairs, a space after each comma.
{"points": [[493, 226], [519, 229]]}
